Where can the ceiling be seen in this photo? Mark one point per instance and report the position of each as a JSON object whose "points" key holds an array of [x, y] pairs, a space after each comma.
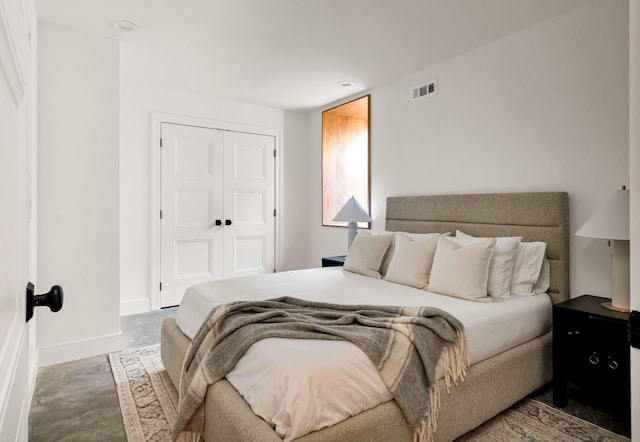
{"points": [[290, 54]]}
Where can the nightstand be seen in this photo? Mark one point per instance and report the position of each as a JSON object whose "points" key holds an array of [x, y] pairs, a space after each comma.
{"points": [[591, 348], [333, 261]]}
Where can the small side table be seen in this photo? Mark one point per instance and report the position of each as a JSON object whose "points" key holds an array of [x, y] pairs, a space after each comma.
{"points": [[333, 261], [591, 348]]}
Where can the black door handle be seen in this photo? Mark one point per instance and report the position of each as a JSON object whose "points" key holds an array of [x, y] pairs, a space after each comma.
{"points": [[218, 222], [53, 299], [227, 222]]}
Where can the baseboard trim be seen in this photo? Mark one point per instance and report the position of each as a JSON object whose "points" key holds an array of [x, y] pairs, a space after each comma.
{"points": [[72, 351], [134, 307]]}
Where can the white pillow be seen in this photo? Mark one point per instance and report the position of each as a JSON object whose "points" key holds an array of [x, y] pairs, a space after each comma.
{"points": [[412, 260], [527, 267], [462, 271], [366, 254], [501, 267], [544, 280], [414, 236]]}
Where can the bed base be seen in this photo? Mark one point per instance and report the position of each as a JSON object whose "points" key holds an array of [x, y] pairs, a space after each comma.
{"points": [[490, 387]]}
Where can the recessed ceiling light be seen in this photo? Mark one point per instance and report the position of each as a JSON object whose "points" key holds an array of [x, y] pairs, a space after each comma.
{"points": [[124, 26], [345, 83]]}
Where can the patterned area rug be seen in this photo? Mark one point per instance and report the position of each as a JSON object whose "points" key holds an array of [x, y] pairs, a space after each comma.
{"points": [[530, 420], [148, 401]]}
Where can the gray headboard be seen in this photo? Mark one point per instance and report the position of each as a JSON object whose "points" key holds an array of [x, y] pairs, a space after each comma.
{"points": [[541, 216]]}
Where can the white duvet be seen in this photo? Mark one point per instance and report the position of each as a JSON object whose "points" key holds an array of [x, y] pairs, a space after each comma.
{"points": [[300, 386]]}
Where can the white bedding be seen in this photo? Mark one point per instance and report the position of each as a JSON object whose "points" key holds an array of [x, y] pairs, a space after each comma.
{"points": [[338, 377]]}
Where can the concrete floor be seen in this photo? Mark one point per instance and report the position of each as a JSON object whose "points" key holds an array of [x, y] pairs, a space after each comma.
{"points": [[77, 401]]}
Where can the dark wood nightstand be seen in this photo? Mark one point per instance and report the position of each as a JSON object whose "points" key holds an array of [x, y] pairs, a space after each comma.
{"points": [[591, 348], [333, 261]]}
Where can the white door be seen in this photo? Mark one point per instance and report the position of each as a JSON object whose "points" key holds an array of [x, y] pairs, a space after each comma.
{"points": [[218, 189], [249, 204], [17, 158], [192, 180], [14, 266]]}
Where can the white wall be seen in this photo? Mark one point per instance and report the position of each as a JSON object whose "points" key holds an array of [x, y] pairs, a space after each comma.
{"points": [[137, 102], [78, 186], [294, 201], [545, 109]]}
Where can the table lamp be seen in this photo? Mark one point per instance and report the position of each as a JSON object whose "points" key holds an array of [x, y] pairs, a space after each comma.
{"points": [[352, 212], [611, 222]]}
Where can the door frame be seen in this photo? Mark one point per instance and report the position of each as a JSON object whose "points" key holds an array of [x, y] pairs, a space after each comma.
{"points": [[157, 119], [634, 184]]}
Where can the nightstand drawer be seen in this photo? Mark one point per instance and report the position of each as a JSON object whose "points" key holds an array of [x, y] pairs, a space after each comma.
{"points": [[595, 344], [597, 364], [590, 347], [577, 327]]}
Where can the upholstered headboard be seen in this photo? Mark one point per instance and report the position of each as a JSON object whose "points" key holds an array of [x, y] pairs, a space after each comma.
{"points": [[542, 216]]}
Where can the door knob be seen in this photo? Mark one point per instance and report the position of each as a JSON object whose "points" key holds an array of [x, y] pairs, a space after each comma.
{"points": [[227, 222], [53, 299], [218, 222]]}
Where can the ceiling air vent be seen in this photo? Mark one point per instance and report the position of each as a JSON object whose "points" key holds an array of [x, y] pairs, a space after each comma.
{"points": [[429, 88]]}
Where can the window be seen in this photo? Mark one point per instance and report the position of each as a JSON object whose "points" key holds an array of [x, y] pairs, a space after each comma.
{"points": [[345, 158]]}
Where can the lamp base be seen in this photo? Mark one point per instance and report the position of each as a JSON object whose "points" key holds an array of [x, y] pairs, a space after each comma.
{"points": [[353, 231], [610, 306]]}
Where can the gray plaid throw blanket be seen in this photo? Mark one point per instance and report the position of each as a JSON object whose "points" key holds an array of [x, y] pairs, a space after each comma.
{"points": [[404, 343]]}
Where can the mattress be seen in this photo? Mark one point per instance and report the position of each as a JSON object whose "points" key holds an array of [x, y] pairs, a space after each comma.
{"points": [[337, 375]]}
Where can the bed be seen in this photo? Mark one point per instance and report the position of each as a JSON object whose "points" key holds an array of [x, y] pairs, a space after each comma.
{"points": [[491, 384]]}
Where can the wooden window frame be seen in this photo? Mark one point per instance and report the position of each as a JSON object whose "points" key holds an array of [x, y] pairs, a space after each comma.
{"points": [[340, 123]]}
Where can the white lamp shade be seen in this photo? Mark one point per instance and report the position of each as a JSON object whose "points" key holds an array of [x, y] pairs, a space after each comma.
{"points": [[611, 220], [352, 211]]}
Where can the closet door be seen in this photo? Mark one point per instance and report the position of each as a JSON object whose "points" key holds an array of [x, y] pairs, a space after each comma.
{"points": [[218, 201], [249, 204], [191, 249]]}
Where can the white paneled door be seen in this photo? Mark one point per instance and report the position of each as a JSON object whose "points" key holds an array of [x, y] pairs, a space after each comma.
{"points": [[218, 200], [249, 204], [18, 354]]}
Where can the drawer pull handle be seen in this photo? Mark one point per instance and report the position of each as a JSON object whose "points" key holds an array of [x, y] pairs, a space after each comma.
{"points": [[594, 359], [613, 364]]}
